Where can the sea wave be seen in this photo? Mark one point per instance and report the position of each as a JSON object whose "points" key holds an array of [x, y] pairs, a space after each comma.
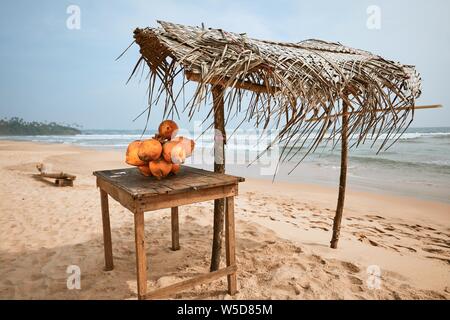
{"points": [[443, 166], [434, 152]]}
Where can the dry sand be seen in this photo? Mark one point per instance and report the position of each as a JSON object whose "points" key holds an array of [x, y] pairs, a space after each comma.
{"points": [[283, 232]]}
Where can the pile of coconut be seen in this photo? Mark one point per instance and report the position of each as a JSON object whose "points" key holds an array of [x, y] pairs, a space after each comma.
{"points": [[161, 155]]}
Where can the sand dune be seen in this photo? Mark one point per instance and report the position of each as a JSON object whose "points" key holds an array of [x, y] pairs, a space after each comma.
{"points": [[283, 231]]}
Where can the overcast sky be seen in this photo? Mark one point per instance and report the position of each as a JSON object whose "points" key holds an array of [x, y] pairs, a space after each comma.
{"points": [[50, 72]]}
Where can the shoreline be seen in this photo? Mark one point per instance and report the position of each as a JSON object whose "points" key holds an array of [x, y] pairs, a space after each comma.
{"points": [[312, 174], [283, 233]]}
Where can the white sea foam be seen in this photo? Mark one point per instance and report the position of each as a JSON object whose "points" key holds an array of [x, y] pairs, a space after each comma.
{"points": [[421, 156]]}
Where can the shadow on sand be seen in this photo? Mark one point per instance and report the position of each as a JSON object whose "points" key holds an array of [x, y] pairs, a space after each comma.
{"points": [[42, 273]]}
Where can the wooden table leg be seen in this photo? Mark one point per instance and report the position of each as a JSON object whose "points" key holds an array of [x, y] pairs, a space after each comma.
{"points": [[141, 259], [107, 243], [175, 229], [230, 244]]}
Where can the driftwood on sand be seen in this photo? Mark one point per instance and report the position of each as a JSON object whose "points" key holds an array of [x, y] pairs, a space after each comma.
{"points": [[300, 89], [62, 179]]}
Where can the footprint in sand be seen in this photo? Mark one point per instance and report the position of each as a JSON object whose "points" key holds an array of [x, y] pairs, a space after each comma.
{"points": [[405, 247], [439, 245], [350, 267], [389, 228], [375, 217], [378, 230], [363, 238], [441, 241], [434, 250], [321, 228], [394, 248], [319, 224], [318, 259], [50, 254], [440, 259], [251, 232], [393, 276], [356, 289], [392, 236], [373, 243], [354, 225], [36, 276]]}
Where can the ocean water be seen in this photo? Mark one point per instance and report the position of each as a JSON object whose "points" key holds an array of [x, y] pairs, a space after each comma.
{"points": [[417, 165]]}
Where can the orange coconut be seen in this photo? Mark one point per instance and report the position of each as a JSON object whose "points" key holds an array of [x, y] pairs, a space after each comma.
{"points": [[174, 152], [175, 168], [160, 168], [145, 170], [150, 150], [168, 129], [188, 144], [132, 157]]}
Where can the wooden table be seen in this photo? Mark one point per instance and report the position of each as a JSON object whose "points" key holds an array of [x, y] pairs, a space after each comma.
{"points": [[140, 194]]}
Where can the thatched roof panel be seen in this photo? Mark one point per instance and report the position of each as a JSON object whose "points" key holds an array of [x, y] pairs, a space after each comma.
{"points": [[311, 76]]}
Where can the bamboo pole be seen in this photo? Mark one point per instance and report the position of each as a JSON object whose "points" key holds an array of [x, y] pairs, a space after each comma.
{"points": [[224, 81], [343, 178], [433, 106], [219, 166]]}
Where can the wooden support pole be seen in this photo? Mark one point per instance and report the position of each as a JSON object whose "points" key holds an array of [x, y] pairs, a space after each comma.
{"points": [[141, 258], [230, 244], [189, 283], [107, 242], [343, 178], [175, 229], [219, 166]]}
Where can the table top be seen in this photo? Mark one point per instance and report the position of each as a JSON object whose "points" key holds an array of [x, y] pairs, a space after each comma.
{"points": [[187, 179]]}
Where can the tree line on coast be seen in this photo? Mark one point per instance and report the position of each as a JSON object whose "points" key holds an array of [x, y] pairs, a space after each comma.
{"points": [[17, 126]]}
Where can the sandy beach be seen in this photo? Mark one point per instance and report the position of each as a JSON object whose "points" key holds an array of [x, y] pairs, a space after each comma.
{"points": [[283, 233]]}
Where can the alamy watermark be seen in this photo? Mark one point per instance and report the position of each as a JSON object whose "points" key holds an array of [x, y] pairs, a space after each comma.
{"points": [[373, 277], [241, 146], [73, 21], [74, 278], [373, 17]]}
